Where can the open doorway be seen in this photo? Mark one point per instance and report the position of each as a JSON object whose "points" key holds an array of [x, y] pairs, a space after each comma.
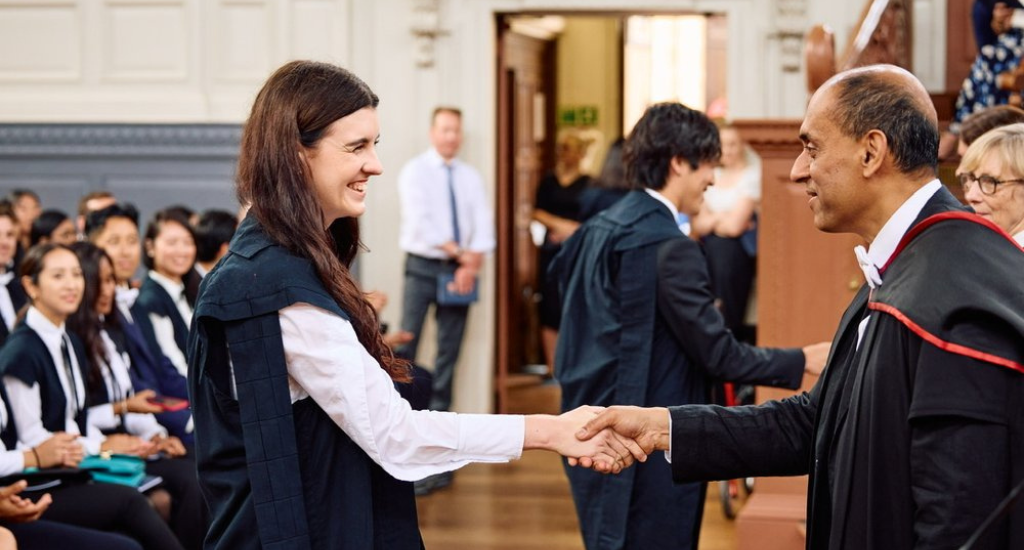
{"points": [[590, 76]]}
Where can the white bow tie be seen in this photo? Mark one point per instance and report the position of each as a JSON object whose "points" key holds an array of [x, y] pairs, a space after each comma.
{"points": [[6, 278], [126, 296], [871, 274]]}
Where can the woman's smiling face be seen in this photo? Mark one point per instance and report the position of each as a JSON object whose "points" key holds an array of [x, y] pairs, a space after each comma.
{"points": [[342, 163]]}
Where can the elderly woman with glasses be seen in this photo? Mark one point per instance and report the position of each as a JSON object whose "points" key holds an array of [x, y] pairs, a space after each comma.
{"points": [[991, 173]]}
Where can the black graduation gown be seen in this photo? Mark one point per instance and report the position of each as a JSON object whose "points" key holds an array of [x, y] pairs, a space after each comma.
{"points": [[913, 439], [25, 357], [277, 475], [639, 327], [153, 298]]}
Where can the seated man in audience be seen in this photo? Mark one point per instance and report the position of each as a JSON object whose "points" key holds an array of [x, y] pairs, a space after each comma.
{"points": [[214, 230], [91, 202]]}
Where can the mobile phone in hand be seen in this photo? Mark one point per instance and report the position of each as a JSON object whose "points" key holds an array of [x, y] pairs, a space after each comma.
{"points": [[169, 404]]}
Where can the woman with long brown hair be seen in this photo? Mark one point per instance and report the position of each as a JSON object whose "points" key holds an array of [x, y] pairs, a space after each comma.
{"points": [[301, 439]]}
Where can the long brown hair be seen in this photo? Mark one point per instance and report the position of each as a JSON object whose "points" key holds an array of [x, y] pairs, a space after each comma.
{"points": [[86, 322], [292, 111]]}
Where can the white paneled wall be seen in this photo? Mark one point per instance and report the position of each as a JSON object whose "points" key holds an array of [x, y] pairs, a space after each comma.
{"points": [[203, 61], [154, 60]]}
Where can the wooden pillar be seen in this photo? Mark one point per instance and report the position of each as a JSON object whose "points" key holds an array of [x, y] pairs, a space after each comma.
{"points": [[805, 280]]}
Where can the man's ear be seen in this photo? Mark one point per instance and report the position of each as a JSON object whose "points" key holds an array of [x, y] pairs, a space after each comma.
{"points": [[875, 147], [679, 166]]}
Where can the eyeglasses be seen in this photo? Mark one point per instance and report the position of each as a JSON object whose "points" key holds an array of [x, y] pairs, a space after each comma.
{"points": [[987, 184]]}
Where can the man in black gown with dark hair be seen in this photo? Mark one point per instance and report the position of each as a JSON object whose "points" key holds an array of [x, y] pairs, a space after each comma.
{"points": [[915, 432]]}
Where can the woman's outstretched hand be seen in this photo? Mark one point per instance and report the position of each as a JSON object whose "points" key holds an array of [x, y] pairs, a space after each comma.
{"points": [[606, 451]]}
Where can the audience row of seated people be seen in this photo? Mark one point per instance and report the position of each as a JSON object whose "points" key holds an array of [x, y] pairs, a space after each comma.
{"points": [[92, 364]]}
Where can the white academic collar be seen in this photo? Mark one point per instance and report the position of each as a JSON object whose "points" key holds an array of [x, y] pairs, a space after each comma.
{"points": [[885, 243], [43, 326], [174, 289], [661, 198], [438, 160]]}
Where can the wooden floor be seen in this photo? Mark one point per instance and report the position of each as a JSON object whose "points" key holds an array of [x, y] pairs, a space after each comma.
{"points": [[526, 504]]}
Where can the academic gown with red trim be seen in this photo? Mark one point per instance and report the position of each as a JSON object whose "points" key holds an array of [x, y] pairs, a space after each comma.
{"points": [[914, 437]]}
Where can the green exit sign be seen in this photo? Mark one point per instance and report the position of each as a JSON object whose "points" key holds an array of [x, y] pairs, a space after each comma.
{"points": [[580, 115]]}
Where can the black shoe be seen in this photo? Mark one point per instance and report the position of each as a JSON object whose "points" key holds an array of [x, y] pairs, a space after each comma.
{"points": [[432, 483]]}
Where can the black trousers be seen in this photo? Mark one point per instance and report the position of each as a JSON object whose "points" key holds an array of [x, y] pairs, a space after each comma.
{"points": [[49, 535], [732, 273], [188, 510], [110, 508]]}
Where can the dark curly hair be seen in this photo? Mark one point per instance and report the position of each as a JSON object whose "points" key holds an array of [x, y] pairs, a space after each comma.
{"points": [[668, 131]]}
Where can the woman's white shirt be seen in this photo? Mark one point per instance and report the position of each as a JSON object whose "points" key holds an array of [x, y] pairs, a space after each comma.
{"points": [[724, 199], [26, 401], [163, 327], [327, 362], [104, 417]]}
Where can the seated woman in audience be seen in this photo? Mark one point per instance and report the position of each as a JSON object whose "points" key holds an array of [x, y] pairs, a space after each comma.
{"points": [[12, 296], [163, 309], [992, 176], [43, 377], [53, 226], [993, 74], [115, 229], [115, 407], [726, 225]]}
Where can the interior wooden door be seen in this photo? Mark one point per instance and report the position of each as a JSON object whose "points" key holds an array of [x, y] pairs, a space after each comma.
{"points": [[525, 126]]}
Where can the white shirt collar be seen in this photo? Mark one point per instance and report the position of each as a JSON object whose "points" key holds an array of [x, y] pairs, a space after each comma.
{"points": [[50, 333], [885, 243], [1019, 237], [174, 289], [661, 198], [202, 271], [437, 159]]}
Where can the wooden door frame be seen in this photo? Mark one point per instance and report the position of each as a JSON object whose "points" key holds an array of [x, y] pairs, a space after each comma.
{"points": [[505, 179]]}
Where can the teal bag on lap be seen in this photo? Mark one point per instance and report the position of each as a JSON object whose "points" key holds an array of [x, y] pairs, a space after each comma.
{"points": [[120, 469]]}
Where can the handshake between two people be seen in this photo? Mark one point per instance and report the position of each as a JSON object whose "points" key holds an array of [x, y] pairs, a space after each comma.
{"points": [[606, 440]]}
